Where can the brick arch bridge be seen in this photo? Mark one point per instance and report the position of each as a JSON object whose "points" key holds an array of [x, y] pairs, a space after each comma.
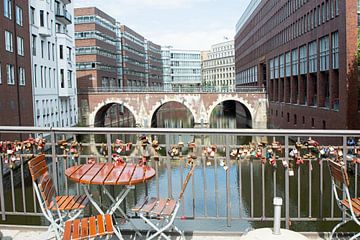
{"points": [[144, 105]]}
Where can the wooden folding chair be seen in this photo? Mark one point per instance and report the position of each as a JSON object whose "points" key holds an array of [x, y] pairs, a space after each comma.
{"points": [[349, 206], [162, 210], [57, 209]]}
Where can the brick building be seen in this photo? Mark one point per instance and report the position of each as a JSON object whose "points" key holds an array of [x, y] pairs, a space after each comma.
{"points": [[304, 53], [16, 104], [133, 56]]}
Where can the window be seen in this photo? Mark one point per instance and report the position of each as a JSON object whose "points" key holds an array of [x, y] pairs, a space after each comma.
{"points": [[32, 15], [53, 52], [10, 74], [0, 73], [282, 66], [49, 51], [8, 8], [69, 53], [324, 54], [19, 16], [303, 64], [35, 75], [337, 7], [62, 78], [21, 76], [33, 40], [288, 64], [276, 67], [42, 48], [42, 20], [313, 57], [295, 62], [69, 79], [9, 41], [20, 46], [61, 52], [335, 50]]}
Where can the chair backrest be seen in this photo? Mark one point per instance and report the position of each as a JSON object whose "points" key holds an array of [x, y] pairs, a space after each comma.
{"points": [[338, 173], [187, 179], [40, 176]]}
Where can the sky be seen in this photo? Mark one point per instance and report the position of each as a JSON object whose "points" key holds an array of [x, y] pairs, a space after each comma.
{"points": [[182, 24]]}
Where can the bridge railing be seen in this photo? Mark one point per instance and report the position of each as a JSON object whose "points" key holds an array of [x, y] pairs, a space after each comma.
{"points": [[226, 186], [200, 89]]}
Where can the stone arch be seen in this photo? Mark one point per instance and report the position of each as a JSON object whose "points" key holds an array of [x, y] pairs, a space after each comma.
{"points": [[162, 102], [109, 102], [232, 98]]}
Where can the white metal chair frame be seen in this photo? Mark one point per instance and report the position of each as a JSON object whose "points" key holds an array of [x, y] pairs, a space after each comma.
{"points": [[56, 217], [166, 221], [341, 183]]}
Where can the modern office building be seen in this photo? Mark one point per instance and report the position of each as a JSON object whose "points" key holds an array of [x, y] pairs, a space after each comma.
{"points": [[304, 53], [218, 70], [133, 56], [96, 58], [154, 66], [16, 103], [185, 69], [166, 63], [53, 63]]}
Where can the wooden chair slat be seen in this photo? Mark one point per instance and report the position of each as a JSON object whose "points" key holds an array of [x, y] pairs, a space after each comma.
{"points": [[140, 204], [50, 197], [169, 207], [101, 227], [67, 230], [160, 205], [75, 232], [109, 224], [84, 228], [39, 173], [65, 203], [339, 173], [138, 175], [71, 203], [36, 160], [103, 174], [92, 226], [81, 202], [114, 175], [149, 205], [187, 179], [126, 175]]}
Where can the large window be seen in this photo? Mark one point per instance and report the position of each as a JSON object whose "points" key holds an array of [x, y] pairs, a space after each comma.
{"points": [[335, 50], [19, 16], [20, 46], [0, 73], [276, 67], [21, 76], [10, 74], [42, 20], [288, 64], [33, 40], [303, 65], [8, 8], [282, 65], [313, 57], [324, 54], [9, 41], [295, 62], [32, 15], [69, 79]]}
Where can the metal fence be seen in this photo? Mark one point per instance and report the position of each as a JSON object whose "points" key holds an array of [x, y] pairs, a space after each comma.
{"points": [[224, 186]]}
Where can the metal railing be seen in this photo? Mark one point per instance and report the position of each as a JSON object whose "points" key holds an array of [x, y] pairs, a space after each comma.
{"points": [[223, 187], [200, 89]]}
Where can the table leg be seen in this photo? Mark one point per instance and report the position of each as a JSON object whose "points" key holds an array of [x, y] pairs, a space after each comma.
{"points": [[93, 202], [116, 204]]}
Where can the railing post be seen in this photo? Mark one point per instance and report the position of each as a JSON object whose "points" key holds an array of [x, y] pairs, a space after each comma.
{"points": [[108, 145], [2, 201], [228, 193], [54, 160], [168, 165], [287, 195]]}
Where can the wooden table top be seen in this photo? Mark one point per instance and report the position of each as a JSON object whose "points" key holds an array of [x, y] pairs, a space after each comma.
{"points": [[110, 174]]}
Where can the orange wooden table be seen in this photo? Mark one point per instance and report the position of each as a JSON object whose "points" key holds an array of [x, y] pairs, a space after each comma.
{"points": [[105, 174]]}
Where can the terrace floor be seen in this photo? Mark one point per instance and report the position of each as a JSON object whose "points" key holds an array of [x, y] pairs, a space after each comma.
{"points": [[18, 232]]}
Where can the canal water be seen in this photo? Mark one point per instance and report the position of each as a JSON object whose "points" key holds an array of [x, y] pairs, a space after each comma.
{"points": [[250, 189]]}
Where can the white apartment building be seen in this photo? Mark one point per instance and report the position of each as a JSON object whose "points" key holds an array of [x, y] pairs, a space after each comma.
{"points": [[53, 63], [218, 70], [185, 69]]}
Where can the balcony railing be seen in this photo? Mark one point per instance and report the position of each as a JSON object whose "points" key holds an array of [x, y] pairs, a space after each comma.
{"points": [[225, 187], [63, 16]]}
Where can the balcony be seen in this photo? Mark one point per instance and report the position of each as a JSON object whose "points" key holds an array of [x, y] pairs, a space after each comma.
{"points": [[66, 92], [44, 31], [232, 188], [66, 1], [63, 16]]}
